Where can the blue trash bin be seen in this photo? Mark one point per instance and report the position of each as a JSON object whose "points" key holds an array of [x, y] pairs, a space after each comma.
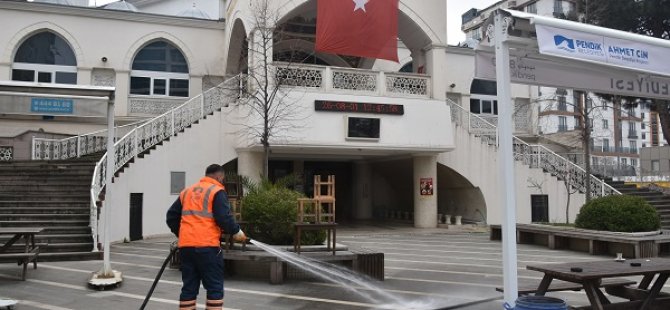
{"points": [[538, 303]]}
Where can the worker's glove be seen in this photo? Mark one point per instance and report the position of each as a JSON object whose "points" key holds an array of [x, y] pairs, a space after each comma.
{"points": [[240, 236]]}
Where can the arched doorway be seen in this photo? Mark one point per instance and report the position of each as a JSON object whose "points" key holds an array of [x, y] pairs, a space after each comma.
{"points": [[457, 196]]}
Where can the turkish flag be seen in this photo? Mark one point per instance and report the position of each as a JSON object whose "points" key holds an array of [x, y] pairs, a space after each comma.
{"points": [[364, 28]]}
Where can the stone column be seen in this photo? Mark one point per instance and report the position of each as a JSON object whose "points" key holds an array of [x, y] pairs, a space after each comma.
{"points": [[250, 164], [363, 191], [436, 66], [121, 102], [5, 71], [425, 206]]}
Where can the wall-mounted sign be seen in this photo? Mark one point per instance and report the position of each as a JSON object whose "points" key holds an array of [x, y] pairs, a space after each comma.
{"points": [[358, 107], [426, 186], [51, 105]]}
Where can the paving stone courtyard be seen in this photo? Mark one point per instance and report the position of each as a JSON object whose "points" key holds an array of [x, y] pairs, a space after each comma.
{"points": [[441, 265]]}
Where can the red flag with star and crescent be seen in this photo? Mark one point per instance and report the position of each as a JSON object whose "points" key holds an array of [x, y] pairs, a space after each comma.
{"points": [[364, 28]]}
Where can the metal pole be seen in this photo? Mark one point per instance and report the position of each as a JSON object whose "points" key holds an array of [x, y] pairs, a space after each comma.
{"points": [[506, 160], [109, 174]]}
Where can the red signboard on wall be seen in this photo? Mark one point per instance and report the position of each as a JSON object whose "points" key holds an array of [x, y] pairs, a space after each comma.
{"points": [[358, 107], [426, 186]]}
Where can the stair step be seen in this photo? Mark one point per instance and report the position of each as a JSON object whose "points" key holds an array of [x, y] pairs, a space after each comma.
{"points": [[44, 223], [56, 238], [45, 210], [55, 197], [46, 204], [63, 230], [41, 217]]}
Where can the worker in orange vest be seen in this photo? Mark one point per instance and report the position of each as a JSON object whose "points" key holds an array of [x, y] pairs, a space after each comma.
{"points": [[198, 217]]}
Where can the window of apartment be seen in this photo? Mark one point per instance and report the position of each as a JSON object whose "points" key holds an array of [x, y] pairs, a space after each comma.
{"points": [[655, 165], [643, 125], [562, 123], [606, 145], [562, 103], [624, 162], [642, 115], [159, 69], [633, 145], [644, 136], [46, 58], [633, 162], [606, 124], [532, 8]]}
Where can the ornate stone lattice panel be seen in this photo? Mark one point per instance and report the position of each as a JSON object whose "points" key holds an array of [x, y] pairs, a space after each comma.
{"points": [[153, 106], [6, 153], [356, 81], [407, 85], [103, 77], [300, 77]]}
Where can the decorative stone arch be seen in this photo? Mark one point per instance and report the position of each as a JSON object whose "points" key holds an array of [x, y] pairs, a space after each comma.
{"points": [[27, 32], [157, 36], [236, 38], [458, 196]]}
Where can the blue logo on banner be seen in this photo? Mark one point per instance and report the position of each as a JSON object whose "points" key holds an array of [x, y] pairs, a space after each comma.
{"points": [[564, 43], [51, 105]]}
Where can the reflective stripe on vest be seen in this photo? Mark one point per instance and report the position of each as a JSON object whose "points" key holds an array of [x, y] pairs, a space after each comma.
{"points": [[205, 206]]}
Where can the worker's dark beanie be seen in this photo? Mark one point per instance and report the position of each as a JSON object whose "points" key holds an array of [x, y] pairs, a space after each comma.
{"points": [[213, 168]]}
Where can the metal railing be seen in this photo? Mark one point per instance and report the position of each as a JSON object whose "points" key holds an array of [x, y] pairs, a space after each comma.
{"points": [[534, 156], [77, 146], [156, 130]]}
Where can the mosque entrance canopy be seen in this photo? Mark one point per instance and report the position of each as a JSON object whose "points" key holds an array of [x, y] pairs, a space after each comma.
{"points": [[22, 98]]}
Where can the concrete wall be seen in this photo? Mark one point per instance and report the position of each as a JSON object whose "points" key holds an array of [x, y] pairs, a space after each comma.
{"points": [[191, 152], [656, 153], [478, 162]]}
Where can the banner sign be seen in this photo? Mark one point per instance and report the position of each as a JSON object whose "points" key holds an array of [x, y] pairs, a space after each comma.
{"points": [[25, 104], [51, 106], [539, 72], [357, 107], [585, 46], [426, 186]]}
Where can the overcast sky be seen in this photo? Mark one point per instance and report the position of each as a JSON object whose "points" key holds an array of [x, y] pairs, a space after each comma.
{"points": [[455, 9]]}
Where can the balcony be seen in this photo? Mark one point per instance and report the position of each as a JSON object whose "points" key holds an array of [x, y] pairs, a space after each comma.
{"points": [[632, 134], [562, 128], [611, 149], [354, 81], [562, 107]]}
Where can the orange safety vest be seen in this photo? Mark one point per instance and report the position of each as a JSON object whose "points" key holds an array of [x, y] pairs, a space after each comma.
{"points": [[198, 227]]}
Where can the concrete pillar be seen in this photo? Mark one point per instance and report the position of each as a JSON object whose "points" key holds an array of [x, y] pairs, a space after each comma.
{"points": [[5, 72], [259, 50], [363, 191], [425, 206], [418, 60], [250, 164], [436, 65], [121, 104]]}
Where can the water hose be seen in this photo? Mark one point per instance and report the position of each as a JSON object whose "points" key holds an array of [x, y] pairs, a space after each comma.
{"points": [[158, 277], [471, 303]]}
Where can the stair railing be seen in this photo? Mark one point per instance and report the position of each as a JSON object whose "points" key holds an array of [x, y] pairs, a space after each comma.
{"points": [[157, 130], [77, 146], [534, 156]]}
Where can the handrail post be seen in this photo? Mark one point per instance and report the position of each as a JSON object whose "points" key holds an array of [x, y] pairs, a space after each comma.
{"points": [[381, 84], [327, 79], [202, 107], [172, 132], [78, 146], [136, 143], [33, 156]]}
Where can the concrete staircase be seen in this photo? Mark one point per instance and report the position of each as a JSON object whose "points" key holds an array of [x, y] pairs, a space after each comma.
{"points": [[658, 200], [54, 195]]}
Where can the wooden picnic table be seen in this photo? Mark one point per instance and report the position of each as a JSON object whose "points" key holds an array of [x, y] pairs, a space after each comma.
{"points": [[646, 296], [31, 251]]}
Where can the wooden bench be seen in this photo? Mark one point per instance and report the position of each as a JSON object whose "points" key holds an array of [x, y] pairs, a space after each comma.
{"points": [[558, 286], [22, 259], [595, 242], [329, 227]]}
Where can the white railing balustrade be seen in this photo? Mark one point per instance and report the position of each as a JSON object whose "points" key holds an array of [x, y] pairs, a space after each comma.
{"points": [[77, 146], [534, 156], [157, 130], [350, 80]]}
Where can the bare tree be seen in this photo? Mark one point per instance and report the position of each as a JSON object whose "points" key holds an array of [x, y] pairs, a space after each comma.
{"points": [[569, 191], [270, 112]]}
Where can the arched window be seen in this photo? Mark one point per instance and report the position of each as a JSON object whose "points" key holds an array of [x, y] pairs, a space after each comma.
{"points": [[159, 69], [45, 57], [483, 97]]}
